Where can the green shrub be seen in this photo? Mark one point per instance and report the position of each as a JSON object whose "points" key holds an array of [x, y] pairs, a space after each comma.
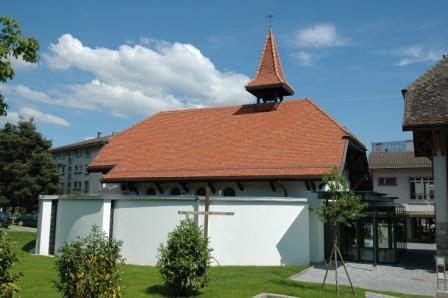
{"points": [[185, 259], [7, 259], [89, 267]]}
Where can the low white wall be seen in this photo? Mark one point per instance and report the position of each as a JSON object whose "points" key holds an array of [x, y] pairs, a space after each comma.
{"points": [[43, 226], [262, 231], [75, 217], [143, 224]]}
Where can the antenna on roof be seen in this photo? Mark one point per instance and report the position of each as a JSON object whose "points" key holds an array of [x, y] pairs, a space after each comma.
{"points": [[270, 16]]}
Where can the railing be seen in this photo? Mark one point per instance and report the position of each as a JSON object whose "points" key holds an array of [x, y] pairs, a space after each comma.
{"points": [[422, 196]]}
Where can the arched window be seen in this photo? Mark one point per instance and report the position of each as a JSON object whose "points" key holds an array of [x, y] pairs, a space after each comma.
{"points": [[175, 191], [151, 191], [200, 191], [229, 192]]}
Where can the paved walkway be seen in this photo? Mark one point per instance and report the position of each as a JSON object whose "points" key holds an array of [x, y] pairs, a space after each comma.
{"points": [[414, 275]]}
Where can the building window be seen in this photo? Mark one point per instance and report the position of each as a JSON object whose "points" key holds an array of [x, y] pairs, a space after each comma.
{"points": [[387, 181], [85, 170], [200, 191], [151, 191], [69, 177], [69, 169], [421, 188], [69, 186], [62, 169], [175, 191], [86, 186], [229, 192], [78, 170], [87, 153]]}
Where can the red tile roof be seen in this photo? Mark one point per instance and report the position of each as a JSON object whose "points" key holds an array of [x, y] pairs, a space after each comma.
{"points": [[269, 72], [292, 139]]}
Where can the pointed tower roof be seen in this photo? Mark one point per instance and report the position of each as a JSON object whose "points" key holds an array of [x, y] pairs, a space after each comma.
{"points": [[269, 82]]}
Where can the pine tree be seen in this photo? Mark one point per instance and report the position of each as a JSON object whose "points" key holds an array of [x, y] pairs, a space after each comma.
{"points": [[27, 169]]}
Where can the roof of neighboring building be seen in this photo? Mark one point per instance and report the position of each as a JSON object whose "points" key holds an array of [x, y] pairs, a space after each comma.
{"points": [[270, 73], [426, 99], [82, 144], [397, 160], [295, 138]]}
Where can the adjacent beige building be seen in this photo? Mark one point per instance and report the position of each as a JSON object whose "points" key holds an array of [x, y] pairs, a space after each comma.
{"points": [[410, 179], [72, 160]]}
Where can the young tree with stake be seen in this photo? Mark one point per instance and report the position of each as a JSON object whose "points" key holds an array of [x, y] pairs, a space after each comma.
{"points": [[342, 208]]}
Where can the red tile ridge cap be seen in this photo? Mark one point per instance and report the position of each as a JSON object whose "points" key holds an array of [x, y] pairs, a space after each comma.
{"points": [[286, 101]]}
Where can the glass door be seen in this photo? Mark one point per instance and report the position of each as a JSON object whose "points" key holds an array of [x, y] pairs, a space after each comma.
{"points": [[366, 241]]}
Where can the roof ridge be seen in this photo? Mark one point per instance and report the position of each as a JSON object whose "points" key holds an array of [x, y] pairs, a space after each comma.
{"points": [[91, 141], [225, 107], [342, 127], [423, 75], [261, 59], [274, 54]]}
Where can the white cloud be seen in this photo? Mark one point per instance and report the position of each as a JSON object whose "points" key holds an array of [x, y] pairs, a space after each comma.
{"points": [[319, 36], [415, 54], [21, 91], [138, 80], [303, 57], [20, 64], [29, 113]]}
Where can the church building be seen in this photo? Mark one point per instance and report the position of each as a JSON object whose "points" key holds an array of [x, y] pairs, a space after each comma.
{"points": [[263, 162], [271, 148]]}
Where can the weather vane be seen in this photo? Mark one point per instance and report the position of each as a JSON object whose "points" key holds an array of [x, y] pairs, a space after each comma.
{"points": [[270, 16]]}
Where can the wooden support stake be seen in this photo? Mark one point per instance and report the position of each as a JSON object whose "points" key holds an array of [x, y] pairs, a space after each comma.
{"points": [[334, 254]]}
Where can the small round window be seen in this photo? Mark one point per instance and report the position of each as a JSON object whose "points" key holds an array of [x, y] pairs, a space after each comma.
{"points": [[151, 191], [200, 191], [229, 192], [175, 191]]}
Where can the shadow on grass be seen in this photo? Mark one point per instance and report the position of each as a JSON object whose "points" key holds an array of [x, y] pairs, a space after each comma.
{"points": [[29, 246], [165, 292]]}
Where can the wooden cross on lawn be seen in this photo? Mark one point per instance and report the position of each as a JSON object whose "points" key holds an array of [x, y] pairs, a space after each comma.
{"points": [[206, 213]]}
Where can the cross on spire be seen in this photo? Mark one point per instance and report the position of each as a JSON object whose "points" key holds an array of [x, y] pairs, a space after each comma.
{"points": [[270, 16]]}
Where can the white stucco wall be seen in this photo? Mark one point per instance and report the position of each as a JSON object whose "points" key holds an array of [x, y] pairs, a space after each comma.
{"points": [[75, 217], [143, 224], [263, 230], [43, 226], [260, 232]]}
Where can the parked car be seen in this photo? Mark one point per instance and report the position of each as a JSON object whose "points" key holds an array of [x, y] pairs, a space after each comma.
{"points": [[5, 221], [29, 220]]}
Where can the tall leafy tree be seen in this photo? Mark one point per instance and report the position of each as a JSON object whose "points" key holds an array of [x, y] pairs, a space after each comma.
{"points": [[27, 169], [13, 44]]}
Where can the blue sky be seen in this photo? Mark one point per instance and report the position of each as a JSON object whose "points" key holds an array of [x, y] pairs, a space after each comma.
{"points": [[108, 64]]}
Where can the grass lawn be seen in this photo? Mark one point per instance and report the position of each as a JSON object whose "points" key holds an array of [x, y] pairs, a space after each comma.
{"points": [[144, 281]]}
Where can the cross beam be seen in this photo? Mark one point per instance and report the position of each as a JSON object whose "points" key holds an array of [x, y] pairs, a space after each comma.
{"points": [[206, 213]]}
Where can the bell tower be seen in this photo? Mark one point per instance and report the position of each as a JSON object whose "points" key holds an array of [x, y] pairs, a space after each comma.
{"points": [[269, 84]]}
